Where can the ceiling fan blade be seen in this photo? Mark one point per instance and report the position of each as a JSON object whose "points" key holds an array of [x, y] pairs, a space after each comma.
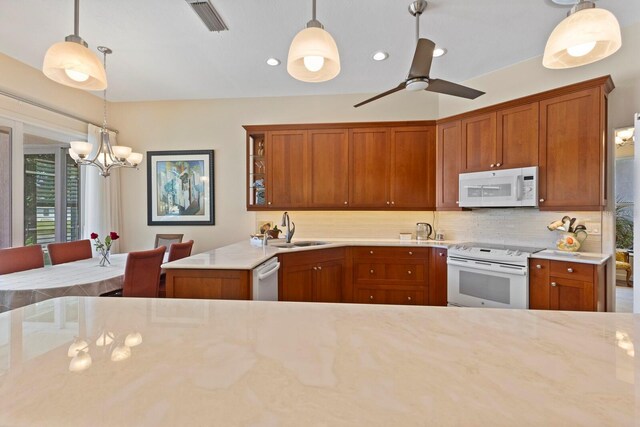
{"points": [[421, 64], [454, 89], [389, 92]]}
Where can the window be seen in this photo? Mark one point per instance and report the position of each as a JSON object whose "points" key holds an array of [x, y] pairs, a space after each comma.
{"points": [[5, 187], [51, 195]]}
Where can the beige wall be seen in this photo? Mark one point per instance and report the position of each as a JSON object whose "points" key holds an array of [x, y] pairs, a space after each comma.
{"points": [[23, 80], [217, 125]]}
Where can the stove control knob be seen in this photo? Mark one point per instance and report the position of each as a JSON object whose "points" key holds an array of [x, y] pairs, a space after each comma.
{"points": [[509, 252], [518, 253]]}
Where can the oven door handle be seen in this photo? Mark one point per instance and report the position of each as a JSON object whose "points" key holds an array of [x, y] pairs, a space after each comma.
{"points": [[486, 266]]}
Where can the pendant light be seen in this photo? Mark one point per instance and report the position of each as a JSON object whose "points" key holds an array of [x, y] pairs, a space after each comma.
{"points": [[71, 63], [107, 156], [588, 34], [313, 54]]}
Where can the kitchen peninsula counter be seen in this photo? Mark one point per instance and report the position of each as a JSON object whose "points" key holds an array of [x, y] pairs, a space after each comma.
{"points": [[261, 363], [245, 256]]}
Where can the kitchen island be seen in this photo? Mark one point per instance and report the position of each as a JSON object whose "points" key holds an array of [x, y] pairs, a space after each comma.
{"points": [[260, 363]]}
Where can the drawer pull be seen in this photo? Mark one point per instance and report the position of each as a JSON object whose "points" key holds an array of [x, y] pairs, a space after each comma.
{"points": [[570, 270], [408, 298], [346, 203], [319, 268], [538, 266], [315, 268], [371, 271], [554, 284], [388, 202], [409, 272], [441, 254], [370, 296], [371, 252], [410, 253]]}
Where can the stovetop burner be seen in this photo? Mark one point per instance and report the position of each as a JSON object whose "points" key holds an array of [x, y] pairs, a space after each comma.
{"points": [[501, 247]]}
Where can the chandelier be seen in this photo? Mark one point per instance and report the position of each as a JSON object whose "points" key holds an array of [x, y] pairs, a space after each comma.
{"points": [[107, 156]]}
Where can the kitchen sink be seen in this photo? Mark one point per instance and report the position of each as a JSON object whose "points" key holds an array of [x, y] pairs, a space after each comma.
{"points": [[299, 244]]}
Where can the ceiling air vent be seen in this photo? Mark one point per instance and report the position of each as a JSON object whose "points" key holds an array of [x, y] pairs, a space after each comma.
{"points": [[208, 14]]}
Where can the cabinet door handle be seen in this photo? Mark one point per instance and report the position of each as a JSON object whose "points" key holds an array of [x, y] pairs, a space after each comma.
{"points": [[541, 200], [441, 254], [315, 268], [498, 165], [370, 271], [457, 202], [370, 296], [570, 270], [554, 284], [408, 298], [346, 203], [388, 202], [319, 268], [492, 165], [410, 253], [538, 266], [269, 203], [393, 203], [409, 272], [371, 252]]}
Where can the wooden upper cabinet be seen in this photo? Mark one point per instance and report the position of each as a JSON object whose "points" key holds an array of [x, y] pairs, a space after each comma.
{"points": [[517, 136], [571, 151], [369, 153], [413, 172], [447, 164], [287, 172], [479, 144], [329, 168]]}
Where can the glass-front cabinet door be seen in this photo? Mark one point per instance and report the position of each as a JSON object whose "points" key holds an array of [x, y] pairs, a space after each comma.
{"points": [[257, 170]]}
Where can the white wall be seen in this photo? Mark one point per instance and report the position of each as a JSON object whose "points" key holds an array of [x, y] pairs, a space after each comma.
{"points": [[217, 125]]}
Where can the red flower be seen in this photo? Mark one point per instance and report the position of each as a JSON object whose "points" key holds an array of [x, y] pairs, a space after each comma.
{"points": [[94, 236], [114, 235]]}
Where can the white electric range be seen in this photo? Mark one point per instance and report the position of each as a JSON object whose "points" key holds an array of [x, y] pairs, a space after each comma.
{"points": [[488, 275]]}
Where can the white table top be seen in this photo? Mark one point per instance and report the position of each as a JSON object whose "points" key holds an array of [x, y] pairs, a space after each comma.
{"points": [[245, 256], [204, 362], [68, 274], [85, 277]]}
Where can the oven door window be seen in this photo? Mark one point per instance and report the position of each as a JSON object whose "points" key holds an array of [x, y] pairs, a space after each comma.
{"points": [[485, 286]]}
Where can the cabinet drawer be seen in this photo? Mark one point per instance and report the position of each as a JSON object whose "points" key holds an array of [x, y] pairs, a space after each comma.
{"points": [[405, 273], [369, 252], [381, 296], [571, 270]]}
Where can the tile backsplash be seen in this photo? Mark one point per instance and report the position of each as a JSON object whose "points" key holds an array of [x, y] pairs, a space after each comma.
{"points": [[520, 226]]}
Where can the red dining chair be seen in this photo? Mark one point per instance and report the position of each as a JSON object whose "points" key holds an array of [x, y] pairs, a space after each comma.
{"points": [[142, 273], [176, 251], [21, 258], [180, 250], [61, 253]]}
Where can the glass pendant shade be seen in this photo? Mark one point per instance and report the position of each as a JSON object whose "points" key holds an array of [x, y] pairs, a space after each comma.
{"points": [[81, 148], [74, 65], [583, 37], [121, 151], [313, 56], [135, 158]]}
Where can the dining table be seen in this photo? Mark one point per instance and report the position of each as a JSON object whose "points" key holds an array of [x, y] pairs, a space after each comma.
{"points": [[78, 278]]}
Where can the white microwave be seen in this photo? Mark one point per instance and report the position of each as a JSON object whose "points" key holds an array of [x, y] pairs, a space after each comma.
{"points": [[499, 188]]}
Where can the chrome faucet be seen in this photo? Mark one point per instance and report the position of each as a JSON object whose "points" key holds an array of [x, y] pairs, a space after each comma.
{"points": [[286, 222]]}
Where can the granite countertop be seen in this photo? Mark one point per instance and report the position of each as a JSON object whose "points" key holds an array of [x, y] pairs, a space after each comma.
{"points": [[214, 362], [245, 256], [578, 257]]}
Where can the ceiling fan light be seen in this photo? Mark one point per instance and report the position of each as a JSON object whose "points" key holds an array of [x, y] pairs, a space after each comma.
{"points": [[416, 85], [68, 62], [313, 42], [569, 43]]}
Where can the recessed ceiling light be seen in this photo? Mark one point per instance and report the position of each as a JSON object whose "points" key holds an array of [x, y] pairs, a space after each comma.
{"points": [[273, 62], [380, 56], [439, 51]]}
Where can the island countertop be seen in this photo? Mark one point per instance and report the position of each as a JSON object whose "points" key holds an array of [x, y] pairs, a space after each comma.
{"points": [[213, 362], [245, 256]]}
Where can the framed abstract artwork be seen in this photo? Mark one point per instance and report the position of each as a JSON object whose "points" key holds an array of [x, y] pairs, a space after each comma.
{"points": [[180, 187]]}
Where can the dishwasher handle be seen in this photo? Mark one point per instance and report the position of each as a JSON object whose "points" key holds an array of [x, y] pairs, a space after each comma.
{"points": [[264, 275]]}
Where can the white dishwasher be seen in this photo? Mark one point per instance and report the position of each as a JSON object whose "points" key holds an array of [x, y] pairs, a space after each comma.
{"points": [[265, 280]]}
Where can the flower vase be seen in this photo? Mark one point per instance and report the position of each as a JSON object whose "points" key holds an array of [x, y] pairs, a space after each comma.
{"points": [[104, 257]]}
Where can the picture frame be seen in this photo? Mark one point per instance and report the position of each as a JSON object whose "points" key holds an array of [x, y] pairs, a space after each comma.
{"points": [[180, 187]]}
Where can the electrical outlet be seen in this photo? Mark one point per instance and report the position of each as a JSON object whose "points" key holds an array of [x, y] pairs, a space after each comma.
{"points": [[593, 228]]}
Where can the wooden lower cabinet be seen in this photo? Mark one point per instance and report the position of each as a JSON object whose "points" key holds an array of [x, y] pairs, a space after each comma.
{"points": [[312, 276], [208, 284], [438, 277], [563, 285], [374, 295]]}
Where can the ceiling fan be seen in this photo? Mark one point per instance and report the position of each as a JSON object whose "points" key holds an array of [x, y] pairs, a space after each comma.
{"points": [[418, 78]]}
